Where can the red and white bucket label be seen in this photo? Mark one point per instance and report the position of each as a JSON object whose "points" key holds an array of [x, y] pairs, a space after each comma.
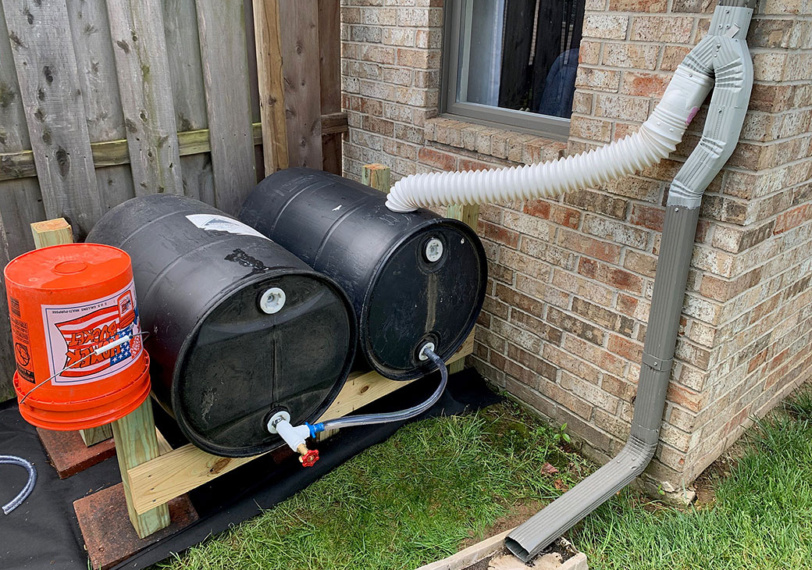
{"points": [[74, 332]]}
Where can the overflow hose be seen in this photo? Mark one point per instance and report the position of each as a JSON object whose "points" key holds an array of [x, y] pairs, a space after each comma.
{"points": [[29, 486]]}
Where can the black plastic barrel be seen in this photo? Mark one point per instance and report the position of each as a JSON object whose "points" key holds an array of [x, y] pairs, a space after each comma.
{"points": [[413, 278], [227, 349]]}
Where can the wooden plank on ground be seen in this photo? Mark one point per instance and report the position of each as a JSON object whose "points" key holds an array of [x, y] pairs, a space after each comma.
{"points": [[330, 80], [137, 30], [96, 65], [300, 54], [51, 94], [221, 26], [188, 467], [270, 83]]}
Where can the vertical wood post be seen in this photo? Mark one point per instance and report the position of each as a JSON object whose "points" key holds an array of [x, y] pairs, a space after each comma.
{"points": [[137, 443], [469, 215], [271, 86], [378, 176], [56, 232]]}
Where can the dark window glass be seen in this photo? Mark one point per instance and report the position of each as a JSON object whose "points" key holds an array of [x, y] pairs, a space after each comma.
{"points": [[519, 54]]}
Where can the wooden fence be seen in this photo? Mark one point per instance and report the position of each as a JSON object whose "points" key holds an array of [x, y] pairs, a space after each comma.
{"points": [[101, 101]]}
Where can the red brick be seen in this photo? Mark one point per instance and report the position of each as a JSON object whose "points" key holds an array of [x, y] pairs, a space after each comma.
{"points": [[644, 84], [498, 233], [648, 216], [637, 5], [559, 214], [516, 299], [792, 219], [574, 325], [437, 159], [625, 348], [589, 246], [610, 275], [596, 202]]}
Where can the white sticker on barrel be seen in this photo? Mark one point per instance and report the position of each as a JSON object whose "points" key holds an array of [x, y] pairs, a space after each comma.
{"points": [[215, 223], [73, 332]]}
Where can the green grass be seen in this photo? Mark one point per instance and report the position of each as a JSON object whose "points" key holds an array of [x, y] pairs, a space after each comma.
{"points": [[761, 518], [408, 501]]}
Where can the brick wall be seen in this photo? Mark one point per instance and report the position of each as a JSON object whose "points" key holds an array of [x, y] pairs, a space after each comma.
{"points": [[571, 279]]}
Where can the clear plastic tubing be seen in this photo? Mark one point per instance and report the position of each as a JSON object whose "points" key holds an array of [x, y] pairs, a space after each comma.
{"points": [[370, 419], [29, 486]]}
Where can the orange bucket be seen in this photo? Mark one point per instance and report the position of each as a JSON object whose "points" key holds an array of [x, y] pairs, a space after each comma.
{"points": [[65, 303]]}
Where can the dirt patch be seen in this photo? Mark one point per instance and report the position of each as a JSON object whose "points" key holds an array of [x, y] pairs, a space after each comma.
{"points": [[706, 483], [518, 514]]}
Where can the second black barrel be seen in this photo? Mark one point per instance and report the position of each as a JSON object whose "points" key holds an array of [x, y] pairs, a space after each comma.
{"points": [[415, 279]]}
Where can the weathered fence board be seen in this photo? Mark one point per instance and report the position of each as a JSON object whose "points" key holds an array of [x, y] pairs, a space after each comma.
{"points": [[96, 64], [270, 84], [51, 94], [189, 98], [300, 56], [137, 30], [330, 80], [225, 77]]}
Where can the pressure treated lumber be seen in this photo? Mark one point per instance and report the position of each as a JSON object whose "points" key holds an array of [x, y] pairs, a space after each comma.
{"points": [[377, 176], [136, 444], [470, 215], [57, 232], [186, 468]]}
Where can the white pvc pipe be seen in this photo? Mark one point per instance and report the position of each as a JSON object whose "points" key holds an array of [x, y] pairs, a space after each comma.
{"points": [[656, 139]]}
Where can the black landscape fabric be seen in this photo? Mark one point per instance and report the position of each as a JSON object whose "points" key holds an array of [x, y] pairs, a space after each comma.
{"points": [[44, 533]]}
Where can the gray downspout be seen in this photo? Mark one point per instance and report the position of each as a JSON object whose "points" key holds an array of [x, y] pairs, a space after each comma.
{"points": [[724, 53]]}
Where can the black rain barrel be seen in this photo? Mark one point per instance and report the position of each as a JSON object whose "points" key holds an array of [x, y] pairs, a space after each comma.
{"points": [[413, 278], [227, 349]]}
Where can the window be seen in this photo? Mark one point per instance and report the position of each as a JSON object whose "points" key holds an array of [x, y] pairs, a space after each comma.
{"points": [[513, 62]]}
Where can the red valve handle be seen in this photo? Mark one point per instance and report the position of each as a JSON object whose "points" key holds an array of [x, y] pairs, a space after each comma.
{"points": [[309, 458]]}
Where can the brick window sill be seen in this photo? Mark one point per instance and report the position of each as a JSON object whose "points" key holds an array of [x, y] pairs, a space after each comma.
{"points": [[502, 144]]}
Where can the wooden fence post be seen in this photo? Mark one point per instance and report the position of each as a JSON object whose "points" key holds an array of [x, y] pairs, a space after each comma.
{"points": [[57, 232]]}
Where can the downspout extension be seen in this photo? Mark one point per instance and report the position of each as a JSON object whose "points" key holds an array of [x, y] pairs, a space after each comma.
{"points": [[724, 53]]}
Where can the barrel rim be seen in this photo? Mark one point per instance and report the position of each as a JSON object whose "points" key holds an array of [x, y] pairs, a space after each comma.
{"points": [[225, 451], [429, 367]]}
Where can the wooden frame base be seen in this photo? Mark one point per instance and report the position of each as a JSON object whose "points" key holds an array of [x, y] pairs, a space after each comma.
{"points": [[159, 480]]}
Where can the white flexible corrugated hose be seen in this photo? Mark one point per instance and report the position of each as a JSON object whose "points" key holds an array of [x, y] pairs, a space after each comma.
{"points": [[655, 140]]}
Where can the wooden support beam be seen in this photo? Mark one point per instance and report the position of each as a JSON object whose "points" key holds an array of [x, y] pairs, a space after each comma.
{"points": [[56, 232], [378, 176], [271, 85], [136, 444], [186, 468], [469, 215]]}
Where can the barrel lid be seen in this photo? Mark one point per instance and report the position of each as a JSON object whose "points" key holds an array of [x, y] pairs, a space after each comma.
{"points": [[67, 267]]}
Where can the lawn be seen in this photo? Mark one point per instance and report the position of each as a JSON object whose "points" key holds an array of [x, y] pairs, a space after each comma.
{"points": [[761, 517], [416, 498], [441, 484]]}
